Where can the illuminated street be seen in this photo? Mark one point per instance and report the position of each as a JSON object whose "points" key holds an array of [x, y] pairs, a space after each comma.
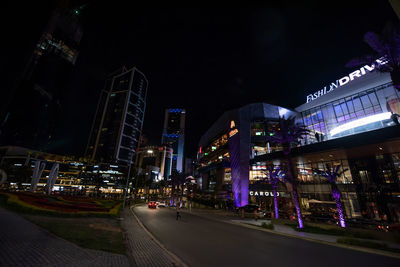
{"points": [[202, 242]]}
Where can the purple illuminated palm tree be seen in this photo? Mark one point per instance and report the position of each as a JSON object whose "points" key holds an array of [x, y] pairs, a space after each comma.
{"points": [[285, 134], [386, 56], [276, 174], [332, 174]]}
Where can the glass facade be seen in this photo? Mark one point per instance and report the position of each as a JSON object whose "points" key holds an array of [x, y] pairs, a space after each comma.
{"points": [[174, 135], [119, 118], [344, 116]]}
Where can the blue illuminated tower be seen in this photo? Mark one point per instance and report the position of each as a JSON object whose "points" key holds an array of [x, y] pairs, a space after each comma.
{"points": [[174, 135]]}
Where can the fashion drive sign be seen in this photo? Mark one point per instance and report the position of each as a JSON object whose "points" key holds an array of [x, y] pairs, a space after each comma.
{"points": [[344, 80]]}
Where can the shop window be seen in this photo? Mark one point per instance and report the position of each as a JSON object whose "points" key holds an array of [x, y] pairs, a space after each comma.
{"points": [[344, 108], [365, 101], [338, 110], [365, 176], [373, 98]]}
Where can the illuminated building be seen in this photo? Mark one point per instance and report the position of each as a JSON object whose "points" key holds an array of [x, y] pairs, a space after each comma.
{"points": [[73, 176], [155, 162], [33, 114], [228, 145], [174, 135], [354, 126], [118, 121]]}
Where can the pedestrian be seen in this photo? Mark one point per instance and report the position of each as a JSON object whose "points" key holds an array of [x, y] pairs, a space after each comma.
{"points": [[178, 215]]}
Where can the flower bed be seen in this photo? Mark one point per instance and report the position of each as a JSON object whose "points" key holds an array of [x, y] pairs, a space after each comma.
{"points": [[64, 205]]}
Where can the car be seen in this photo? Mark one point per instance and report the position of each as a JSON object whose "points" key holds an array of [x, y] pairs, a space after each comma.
{"points": [[162, 204], [250, 210], [152, 205]]}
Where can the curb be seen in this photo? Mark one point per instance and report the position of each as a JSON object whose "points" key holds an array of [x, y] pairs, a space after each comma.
{"points": [[362, 249], [178, 261]]}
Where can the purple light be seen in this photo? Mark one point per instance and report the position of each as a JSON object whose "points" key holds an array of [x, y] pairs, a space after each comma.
{"points": [[298, 210], [336, 196], [332, 174], [276, 204], [274, 175], [235, 169]]}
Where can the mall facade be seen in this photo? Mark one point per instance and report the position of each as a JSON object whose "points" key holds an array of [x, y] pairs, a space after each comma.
{"points": [[353, 122], [71, 175]]}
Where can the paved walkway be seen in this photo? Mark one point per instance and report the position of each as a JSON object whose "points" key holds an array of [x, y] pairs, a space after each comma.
{"points": [[229, 216], [22, 243], [145, 249]]}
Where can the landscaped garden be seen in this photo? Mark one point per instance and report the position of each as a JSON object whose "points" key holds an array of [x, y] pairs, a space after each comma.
{"points": [[60, 205], [89, 223]]}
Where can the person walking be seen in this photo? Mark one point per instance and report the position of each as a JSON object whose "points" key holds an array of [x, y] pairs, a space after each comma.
{"points": [[178, 214]]}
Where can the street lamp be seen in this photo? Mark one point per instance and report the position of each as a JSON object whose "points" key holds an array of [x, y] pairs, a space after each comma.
{"points": [[127, 181]]}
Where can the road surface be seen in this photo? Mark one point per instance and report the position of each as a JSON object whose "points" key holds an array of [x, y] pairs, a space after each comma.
{"points": [[200, 241]]}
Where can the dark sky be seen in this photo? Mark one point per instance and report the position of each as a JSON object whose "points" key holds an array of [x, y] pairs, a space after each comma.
{"points": [[205, 60]]}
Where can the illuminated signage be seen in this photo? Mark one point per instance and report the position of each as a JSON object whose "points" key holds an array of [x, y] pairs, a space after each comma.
{"points": [[344, 80], [259, 167], [233, 131], [263, 193]]}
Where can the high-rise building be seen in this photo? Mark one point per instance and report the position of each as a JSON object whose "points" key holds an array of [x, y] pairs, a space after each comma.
{"points": [[154, 162], [174, 135], [31, 116], [118, 121]]}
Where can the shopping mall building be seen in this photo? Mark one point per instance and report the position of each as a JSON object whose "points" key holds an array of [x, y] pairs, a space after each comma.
{"points": [[351, 124]]}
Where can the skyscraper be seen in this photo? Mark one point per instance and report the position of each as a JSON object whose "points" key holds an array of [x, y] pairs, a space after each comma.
{"points": [[118, 121], [174, 135], [30, 117]]}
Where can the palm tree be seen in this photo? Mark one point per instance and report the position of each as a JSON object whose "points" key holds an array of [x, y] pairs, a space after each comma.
{"points": [[332, 174], [275, 174], [386, 56], [286, 133], [161, 185], [177, 179]]}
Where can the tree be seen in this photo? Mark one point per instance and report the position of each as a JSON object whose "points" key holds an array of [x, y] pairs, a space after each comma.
{"points": [[190, 184], [386, 56], [286, 133], [275, 176], [177, 179], [161, 185], [332, 174]]}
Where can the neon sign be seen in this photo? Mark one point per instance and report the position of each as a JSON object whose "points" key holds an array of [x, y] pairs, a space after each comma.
{"points": [[233, 132], [263, 193], [233, 129], [344, 80]]}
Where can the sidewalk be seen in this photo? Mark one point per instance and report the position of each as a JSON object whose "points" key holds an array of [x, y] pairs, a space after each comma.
{"points": [[145, 249], [22, 243], [230, 217]]}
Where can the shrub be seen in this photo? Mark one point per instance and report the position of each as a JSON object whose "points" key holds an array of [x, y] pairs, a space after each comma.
{"points": [[367, 244], [269, 226]]}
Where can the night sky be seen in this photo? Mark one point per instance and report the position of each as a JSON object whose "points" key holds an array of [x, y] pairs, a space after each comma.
{"points": [[205, 60]]}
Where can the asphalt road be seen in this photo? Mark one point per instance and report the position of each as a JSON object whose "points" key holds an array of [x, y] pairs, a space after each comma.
{"points": [[203, 242]]}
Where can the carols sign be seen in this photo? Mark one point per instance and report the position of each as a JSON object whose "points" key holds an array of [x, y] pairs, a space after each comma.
{"points": [[346, 79], [263, 193]]}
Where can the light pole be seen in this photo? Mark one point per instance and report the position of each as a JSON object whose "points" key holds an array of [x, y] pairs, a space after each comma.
{"points": [[127, 181]]}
